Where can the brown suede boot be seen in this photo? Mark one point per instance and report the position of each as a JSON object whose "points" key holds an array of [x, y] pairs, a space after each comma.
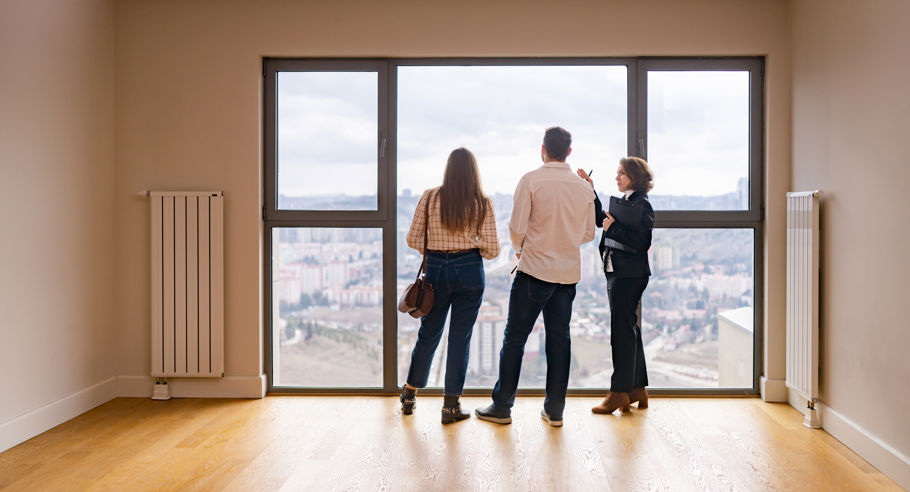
{"points": [[612, 402], [639, 395]]}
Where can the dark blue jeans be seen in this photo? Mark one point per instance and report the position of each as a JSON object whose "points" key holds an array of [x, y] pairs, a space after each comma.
{"points": [[528, 298], [458, 281]]}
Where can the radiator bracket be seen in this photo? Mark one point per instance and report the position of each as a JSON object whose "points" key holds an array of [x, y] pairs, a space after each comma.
{"points": [[811, 420], [161, 391]]}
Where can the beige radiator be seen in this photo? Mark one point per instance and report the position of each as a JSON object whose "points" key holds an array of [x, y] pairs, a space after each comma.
{"points": [[802, 297], [187, 283]]}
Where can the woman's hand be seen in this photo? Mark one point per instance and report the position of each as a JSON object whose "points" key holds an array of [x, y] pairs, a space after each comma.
{"points": [[608, 221], [584, 175]]}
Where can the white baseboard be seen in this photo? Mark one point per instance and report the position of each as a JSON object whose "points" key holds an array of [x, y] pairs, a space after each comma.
{"points": [[796, 401], [29, 425], [226, 387], [773, 390], [880, 454], [888, 460]]}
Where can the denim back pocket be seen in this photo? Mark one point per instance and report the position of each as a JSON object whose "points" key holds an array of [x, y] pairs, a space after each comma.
{"points": [[470, 275], [434, 273]]}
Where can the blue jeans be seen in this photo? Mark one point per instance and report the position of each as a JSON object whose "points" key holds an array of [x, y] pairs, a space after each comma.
{"points": [[528, 298], [458, 281]]}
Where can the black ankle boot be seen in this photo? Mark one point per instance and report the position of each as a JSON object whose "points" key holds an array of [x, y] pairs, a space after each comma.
{"points": [[408, 400], [451, 410]]}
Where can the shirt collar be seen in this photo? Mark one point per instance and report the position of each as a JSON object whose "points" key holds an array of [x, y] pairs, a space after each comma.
{"points": [[628, 193], [556, 164]]}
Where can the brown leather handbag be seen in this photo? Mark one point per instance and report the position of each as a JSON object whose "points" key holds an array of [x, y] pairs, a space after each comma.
{"points": [[417, 298]]}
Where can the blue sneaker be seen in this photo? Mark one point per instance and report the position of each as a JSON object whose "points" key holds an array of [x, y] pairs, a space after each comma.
{"points": [[553, 421], [493, 414]]}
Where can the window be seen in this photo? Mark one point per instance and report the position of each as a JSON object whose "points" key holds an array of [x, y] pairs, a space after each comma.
{"points": [[327, 225], [328, 317], [700, 129], [698, 139], [443, 107], [312, 105], [350, 145], [697, 312]]}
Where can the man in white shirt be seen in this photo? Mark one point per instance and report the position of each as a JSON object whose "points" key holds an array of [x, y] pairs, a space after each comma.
{"points": [[552, 216]]}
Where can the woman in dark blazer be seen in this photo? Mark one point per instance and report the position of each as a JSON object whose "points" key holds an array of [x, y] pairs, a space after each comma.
{"points": [[624, 251]]}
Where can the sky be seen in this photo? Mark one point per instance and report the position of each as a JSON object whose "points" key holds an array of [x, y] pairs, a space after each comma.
{"points": [[697, 126]]}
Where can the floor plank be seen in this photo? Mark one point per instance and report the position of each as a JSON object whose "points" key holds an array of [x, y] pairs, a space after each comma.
{"points": [[364, 443]]}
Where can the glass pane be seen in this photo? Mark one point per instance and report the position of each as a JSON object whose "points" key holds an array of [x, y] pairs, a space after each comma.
{"points": [[500, 114], [327, 128], [697, 311], [327, 307], [698, 140]]}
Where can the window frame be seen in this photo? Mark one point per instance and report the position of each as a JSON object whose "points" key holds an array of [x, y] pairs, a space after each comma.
{"points": [[381, 218], [385, 217], [755, 67], [271, 67]]}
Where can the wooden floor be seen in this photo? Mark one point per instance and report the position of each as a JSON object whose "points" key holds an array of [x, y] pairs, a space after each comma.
{"points": [[364, 443]]}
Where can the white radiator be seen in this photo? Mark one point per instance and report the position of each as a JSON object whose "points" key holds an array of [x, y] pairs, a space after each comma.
{"points": [[187, 285], [802, 297]]}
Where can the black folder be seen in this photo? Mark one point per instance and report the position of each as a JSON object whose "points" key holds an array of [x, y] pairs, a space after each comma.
{"points": [[625, 212]]}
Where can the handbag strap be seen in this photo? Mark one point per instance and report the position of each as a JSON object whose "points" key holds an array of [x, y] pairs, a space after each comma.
{"points": [[426, 232]]}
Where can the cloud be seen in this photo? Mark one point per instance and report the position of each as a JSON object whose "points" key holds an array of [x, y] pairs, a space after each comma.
{"points": [[698, 125], [327, 117], [698, 131], [500, 113]]}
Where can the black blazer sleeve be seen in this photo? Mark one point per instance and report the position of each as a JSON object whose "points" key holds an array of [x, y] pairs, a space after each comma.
{"points": [[599, 214], [638, 238]]}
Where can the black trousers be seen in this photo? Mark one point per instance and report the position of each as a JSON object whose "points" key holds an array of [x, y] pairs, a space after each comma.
{"points": [[629, 369]]}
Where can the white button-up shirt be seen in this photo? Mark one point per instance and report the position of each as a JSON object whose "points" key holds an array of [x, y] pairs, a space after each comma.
{"points": [[552, 216]]}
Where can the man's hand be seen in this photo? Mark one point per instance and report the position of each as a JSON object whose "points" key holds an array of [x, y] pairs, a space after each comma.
{"points": [[584, 175], [608, 221]]}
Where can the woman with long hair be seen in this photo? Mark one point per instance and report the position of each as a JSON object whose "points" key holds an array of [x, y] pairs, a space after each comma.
{"points": [[624, 251], [462, 230]]}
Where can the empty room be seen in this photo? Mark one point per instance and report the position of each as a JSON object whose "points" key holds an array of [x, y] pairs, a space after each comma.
{"points": [[477, 245]]}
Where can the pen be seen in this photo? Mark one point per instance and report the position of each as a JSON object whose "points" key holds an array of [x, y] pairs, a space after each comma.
{"points": [[590, 173]]}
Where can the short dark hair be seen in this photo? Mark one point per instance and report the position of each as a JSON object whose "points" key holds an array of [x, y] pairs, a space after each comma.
{"points": [[638, 172], [557, 142]]}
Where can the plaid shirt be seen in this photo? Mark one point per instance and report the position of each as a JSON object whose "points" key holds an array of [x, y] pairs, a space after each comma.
{"points": [[440, 239]]}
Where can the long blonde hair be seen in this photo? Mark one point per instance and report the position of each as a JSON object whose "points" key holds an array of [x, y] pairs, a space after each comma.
{"points": [[462, 202]]}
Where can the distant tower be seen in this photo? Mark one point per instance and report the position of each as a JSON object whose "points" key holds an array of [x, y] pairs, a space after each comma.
{"points": [[742, 193], [487, 340]]}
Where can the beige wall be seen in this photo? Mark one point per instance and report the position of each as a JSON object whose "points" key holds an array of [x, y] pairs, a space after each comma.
{"points": [[851, 121], [189, 108], [186, 81], [56, 199]]}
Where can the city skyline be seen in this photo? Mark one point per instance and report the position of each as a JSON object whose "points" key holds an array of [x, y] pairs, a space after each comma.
{"points": [[699, 274]]}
